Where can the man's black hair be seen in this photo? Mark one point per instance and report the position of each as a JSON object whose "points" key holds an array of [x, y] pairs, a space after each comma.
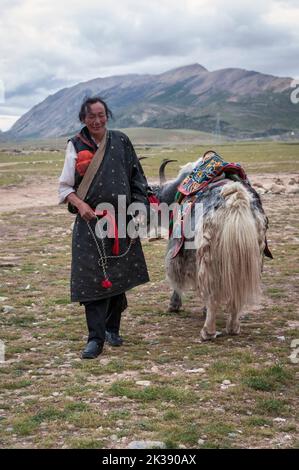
{"points": [[85, 107]]}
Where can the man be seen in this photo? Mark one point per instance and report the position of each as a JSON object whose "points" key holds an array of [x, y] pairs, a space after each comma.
{"points": [[103, 269]]}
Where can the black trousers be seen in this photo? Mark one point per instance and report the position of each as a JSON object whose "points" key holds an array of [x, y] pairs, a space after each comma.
{"points": [[105, 314]]}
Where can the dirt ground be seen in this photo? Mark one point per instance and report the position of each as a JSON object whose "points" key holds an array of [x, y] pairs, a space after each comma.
{"points": [[163, 384], [44, 192]]}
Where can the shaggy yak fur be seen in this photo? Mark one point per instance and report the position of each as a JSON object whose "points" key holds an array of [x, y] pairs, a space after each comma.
{"points": [[225, 267]]}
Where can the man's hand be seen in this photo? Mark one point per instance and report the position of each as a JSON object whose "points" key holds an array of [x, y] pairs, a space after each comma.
{"points": [[85, 211]]}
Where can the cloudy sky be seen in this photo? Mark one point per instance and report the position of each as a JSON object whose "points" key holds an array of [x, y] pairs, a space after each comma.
{"points": [[46, 45]]}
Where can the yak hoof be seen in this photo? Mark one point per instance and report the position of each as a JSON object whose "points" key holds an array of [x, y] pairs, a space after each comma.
{"points": [[206, 336], [234, 331], [174, 308]]}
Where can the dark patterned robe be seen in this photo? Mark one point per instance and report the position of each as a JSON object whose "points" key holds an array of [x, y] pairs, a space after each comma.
{"points": [[120, 173]]}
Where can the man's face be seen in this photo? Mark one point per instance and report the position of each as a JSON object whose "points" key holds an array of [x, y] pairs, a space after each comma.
{"points": [[96, 118]]}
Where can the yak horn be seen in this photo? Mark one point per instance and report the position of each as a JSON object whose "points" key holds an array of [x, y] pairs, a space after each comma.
{"points": [[141, 158], [162, 170]]}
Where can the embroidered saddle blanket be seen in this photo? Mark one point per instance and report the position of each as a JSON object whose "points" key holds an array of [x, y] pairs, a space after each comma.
{"points": [[211, 171]]}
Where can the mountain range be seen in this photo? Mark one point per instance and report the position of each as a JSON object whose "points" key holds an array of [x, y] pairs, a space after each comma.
{"points": [[233, 102]]}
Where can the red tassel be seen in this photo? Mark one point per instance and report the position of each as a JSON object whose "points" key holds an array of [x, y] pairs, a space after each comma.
{"points": [[106, 283]]}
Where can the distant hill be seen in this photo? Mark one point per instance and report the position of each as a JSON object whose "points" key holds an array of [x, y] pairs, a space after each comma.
{"points": [[233, 102]]}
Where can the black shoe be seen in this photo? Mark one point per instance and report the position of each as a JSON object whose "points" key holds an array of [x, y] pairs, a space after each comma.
{"points": [[113, 338], [92, 350]]}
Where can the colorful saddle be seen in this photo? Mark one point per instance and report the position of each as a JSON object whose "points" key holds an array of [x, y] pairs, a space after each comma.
{"points": [[210, 172]]}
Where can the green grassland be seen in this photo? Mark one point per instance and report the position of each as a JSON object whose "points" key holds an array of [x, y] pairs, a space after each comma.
{"points": [[46, 157], [50, 398]]}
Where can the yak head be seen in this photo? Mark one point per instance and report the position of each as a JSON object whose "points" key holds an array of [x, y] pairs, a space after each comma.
{"points": [[165, 191]]}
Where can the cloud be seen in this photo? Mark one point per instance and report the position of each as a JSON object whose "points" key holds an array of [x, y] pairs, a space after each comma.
{"points": [[47, 45], [7, 121]]}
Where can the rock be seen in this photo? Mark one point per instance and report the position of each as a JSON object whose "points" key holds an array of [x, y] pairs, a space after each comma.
{"points": [[258, 185], [220, 410], [7, 309], [278, 181], [226, 382], [292, 190], [292, 181], [200, 442], [146, 445], [144, 383], [281, 338], [294, 357], [2, 299], [279, 420], [195, 371], [277, 189]]}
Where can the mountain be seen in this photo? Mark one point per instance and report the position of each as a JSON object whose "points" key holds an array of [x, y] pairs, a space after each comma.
{"points": [[235, 102]]}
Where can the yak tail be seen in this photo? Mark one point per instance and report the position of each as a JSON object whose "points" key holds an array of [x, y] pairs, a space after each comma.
{"points": [[236, 260], [238, 249]]}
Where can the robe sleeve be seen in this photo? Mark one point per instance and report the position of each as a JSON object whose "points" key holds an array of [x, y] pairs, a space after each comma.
{"points": [[67, 177]]}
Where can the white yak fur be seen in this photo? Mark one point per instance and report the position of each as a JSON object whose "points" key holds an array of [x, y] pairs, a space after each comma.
{"points": [[227, 260]]}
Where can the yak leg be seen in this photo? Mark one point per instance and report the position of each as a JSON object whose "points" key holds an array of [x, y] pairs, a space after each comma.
{"points": [[233, 322], [175, 302], [209, 329]]}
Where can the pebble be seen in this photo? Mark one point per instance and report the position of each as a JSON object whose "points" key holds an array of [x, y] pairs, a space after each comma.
{"points": [[195, 371], [294, 358], [144, 383], [226, 382], [281, 338], [7, 309], [292, 190], [277, 188], [200, 442], [146, 445], [2, 299], [279, 420]]}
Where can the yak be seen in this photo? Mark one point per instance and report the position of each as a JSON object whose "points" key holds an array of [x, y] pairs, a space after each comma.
{"points": [[225, 265]]}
